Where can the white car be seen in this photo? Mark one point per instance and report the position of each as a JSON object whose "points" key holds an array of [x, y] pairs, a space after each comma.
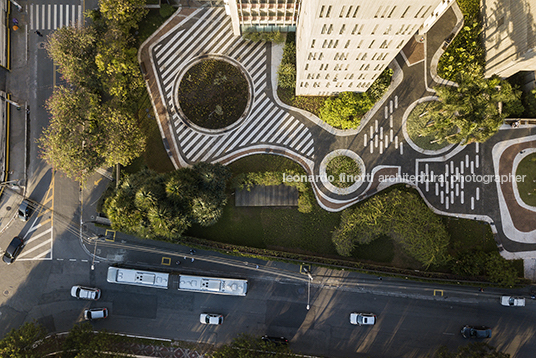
{"points": [[512, 301], [95, 313], [85, 293], [211, 318], [362, 319]]}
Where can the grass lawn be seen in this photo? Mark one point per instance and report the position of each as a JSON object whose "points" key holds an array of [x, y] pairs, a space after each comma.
{"points": [[527, 188], [345, 166], [415, 124], [467, 235], [155, 156], [312, 104]]}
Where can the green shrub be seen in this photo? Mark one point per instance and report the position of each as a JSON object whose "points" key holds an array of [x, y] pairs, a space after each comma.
{"points": [[166, 10], [466, 48], [286, 73], [401, 215], [276, 36]]}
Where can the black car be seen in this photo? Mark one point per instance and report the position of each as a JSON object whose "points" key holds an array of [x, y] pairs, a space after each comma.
{"points": [[13, 250], [275, 340], [24, 211], [476, 332]]}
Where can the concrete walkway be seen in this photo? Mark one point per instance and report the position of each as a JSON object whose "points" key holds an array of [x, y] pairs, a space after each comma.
{"points": [[455, 181]]}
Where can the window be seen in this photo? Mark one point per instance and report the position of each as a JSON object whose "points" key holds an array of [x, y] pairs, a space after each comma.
{"points": [[372, 43], [346, 69], [347, 44], [360, 29], [400, 44], [405, 12], [327, 76], [318, 76], [330, 28], [351, 76], [360, 43], [310, 57], [336, 58], [322, 11], [313, 43], [364, 57], [355, 12], [326, 68], [391, 13], [500, 22], [378, 12], [373, 57], [388, 30], [385, 11], [336, 66], [342, 11], [384, 44], [336, 43], [374, 30], [324, 29], [325, 43], [421, 9], [367, 67], [321, 66], [354, 30], [329, 11], [350, 85], [400, 31], [343, 27], [349, 11], [320, 57], [424, 13], [306, 66], [330, 43]]}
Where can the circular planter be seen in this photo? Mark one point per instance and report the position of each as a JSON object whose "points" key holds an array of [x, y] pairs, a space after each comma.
{"points": [[215, 101], [326, 180]]}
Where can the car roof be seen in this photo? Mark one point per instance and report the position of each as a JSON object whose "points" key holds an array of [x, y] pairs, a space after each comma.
{"points": [[16, 242]]}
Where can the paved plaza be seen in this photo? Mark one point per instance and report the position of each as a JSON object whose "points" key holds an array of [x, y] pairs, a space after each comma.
{"points": [[455, 181]]}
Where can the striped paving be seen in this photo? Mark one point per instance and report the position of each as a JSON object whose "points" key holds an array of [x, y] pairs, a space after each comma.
{"points": [[266, 124], [54, 16]]}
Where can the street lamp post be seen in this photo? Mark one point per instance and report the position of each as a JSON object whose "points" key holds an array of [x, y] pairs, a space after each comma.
{"points": [[308, 287]]}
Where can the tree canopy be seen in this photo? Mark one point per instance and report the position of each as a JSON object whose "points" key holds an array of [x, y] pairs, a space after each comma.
{"points": [[94, 115], [248, 346], [153, 205], [471, 350], [470, 112], [401, 215], [18, 343]]}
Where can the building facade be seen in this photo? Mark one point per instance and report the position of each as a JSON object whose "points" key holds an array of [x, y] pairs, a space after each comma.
{"points": [[341, 45], [509, 36]]}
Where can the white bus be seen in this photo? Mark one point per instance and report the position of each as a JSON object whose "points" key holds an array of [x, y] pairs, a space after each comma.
{"points": [[222, 286], [138, 277]]}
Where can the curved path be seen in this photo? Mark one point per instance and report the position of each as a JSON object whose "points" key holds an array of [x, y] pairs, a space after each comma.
{"points": [[456, 181]]}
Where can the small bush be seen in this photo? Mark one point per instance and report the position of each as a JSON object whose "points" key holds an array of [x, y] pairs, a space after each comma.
{"points": [[276, 36], [166, 10], [286, 74]]}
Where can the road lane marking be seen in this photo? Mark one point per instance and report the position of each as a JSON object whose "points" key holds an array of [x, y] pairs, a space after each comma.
{"points": [[166, 261], [440, 291]]}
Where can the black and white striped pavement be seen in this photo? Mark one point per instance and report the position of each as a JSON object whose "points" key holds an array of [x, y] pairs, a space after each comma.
{"points": [[54, 16], [267, 124]]}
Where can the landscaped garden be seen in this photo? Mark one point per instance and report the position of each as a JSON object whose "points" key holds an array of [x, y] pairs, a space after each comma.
{"points": [[343, 170], [527, 188], [213, 93], [416, 121]]}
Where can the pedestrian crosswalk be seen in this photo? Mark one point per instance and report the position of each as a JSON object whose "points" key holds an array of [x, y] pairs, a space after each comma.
{"points": [[380, 139], [54, 16], [266, 124]]}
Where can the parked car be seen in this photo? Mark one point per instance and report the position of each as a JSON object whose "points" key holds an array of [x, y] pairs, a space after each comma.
{"points": [[362, 319], [24, 210], [476, 332], [275, 340], [95, 313], [85, 293], [512, 301], [13, 250], [211, 318]]}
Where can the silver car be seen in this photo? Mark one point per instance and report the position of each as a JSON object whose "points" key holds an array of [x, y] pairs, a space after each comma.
{"points": [[85, 293], [211, 318], [362, 319], [95, 313]]}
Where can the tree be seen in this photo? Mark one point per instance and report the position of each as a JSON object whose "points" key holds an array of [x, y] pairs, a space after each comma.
{"points": [[94, 118], [73, 49], [401, 215], [286, 73], [500, 270], [123, 14], [345, 111], [19, 343], [83, 342], [153, 205], [248, 346], [471, 350], [470, 112], [73, 140]]}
